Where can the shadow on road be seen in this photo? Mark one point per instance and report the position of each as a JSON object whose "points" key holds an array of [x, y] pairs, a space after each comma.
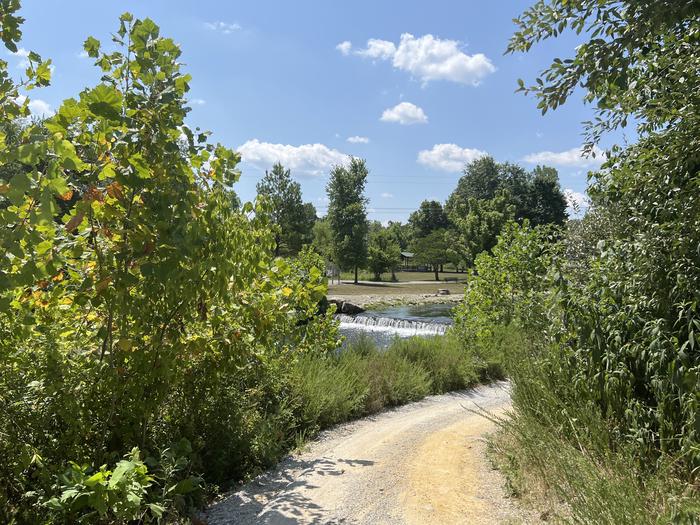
{"points": [[278, 497]]}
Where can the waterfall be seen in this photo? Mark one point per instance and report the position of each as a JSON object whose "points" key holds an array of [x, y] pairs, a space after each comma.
{"points": [[400, 327]]}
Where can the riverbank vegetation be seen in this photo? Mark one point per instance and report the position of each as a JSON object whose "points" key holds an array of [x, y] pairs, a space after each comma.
{"points": [[606, 365]]}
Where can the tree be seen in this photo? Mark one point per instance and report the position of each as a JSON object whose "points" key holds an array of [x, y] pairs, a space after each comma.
{"points": [[635, 317], [322, 241], [292, 218], [481, 180], [478, 230], [547, 203], [401, 233], [347, 215], [432, 250], [118, 307], [427, 218], [383, 253]]}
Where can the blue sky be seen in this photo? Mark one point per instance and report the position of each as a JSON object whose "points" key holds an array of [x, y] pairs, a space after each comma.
{"points": [[416, 88]]}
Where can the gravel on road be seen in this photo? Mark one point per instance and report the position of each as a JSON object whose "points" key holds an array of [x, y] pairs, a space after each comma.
{"points": [[421, 463]]}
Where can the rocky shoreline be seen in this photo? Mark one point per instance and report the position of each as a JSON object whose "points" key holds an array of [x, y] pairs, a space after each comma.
{"points": [[352, 304]]}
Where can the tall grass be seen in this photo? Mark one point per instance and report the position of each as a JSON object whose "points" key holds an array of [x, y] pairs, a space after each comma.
{"points": [[363, 379], [559, 453]]}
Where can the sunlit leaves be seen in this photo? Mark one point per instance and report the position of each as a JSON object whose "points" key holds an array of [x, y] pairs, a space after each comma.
{"points": [[104, 101], [92, 47]]}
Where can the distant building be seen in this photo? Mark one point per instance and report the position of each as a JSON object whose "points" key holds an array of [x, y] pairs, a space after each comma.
{"points": [[407, 259]]}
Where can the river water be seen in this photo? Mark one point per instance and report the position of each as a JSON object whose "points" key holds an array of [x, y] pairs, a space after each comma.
{"points": [[385, 324]]}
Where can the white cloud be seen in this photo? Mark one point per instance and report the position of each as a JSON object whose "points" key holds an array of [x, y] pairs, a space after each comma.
{"points": [[570, 158], [378, 49], [577, 202], [314, 159], [38, 107], [224, 27], [83, 54], [427, 58], [344, 47], [448, 157], [23, 54], [198, 101], [358, 140], [405, 113], [387, 195]]}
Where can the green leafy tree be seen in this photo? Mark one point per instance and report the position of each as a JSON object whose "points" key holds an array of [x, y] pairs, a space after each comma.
{"points": [[401, 233], [432, 250], [632, 320], [546, 203], [383, 252], [478, 230], [293, 219], [429, 217], [323, 239], [347, 215]]}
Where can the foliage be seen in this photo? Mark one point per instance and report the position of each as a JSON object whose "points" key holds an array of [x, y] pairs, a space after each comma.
{"points": [[322, 241], [640, 60], [427, 218], [383, 252], [138, 304], [477, 229], [432, 250], [347, 215], [607, 382], [363, 379], [507, 286], [489, 194], [293, 219]]}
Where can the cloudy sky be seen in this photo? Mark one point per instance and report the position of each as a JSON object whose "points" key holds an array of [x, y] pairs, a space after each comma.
{"points": [[416, 88]]}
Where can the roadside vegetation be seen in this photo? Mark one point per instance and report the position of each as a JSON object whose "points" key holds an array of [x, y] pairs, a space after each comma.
{"points": [[159, 338], [605, 362]]}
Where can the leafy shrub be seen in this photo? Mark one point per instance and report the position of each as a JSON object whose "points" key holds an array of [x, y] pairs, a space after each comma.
{"points": [[139, 303]]}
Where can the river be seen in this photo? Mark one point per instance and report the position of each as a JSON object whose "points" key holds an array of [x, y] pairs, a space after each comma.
{"points": [[384, 324]]}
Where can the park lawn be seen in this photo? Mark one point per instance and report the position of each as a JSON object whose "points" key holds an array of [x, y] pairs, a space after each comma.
{"points": [[387, 288], [364, 275]]}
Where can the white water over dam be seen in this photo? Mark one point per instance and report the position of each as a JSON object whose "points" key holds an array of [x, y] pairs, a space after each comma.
{"points": [[399, 327], [388, 323]]}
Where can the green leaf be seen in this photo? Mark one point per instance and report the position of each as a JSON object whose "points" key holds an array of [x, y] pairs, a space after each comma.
{"points": [[104, 101], [31, 153], [156, 510], [140, 167], [122, 468], [92, 47]]}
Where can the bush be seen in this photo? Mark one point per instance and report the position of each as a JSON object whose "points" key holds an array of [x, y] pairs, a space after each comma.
{"points": [[140, 305]]}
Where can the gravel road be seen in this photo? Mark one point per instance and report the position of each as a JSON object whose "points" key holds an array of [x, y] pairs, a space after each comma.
{"points": [[420, 463]]}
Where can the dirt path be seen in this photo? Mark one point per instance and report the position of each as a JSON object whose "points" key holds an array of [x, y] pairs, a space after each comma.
{"points": [[421, 463]]}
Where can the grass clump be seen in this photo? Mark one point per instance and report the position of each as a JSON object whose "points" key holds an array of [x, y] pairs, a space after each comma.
{"points": [[362, 379]]}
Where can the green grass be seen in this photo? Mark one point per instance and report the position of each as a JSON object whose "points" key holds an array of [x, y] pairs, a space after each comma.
{"points": [[363, 379], [393, 288], [560, 457], [403, 276]]}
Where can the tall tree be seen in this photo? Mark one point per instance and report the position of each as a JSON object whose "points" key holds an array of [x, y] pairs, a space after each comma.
{"points": [[347, 214], [292, 218], [432, 250], [383, 251], [429, 217], [400, 233], [547, 203], [323, 239]]}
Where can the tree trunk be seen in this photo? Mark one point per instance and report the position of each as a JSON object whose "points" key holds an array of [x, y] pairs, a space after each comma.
{"points": [[355, 274], [393, 275], [436, 268]]}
